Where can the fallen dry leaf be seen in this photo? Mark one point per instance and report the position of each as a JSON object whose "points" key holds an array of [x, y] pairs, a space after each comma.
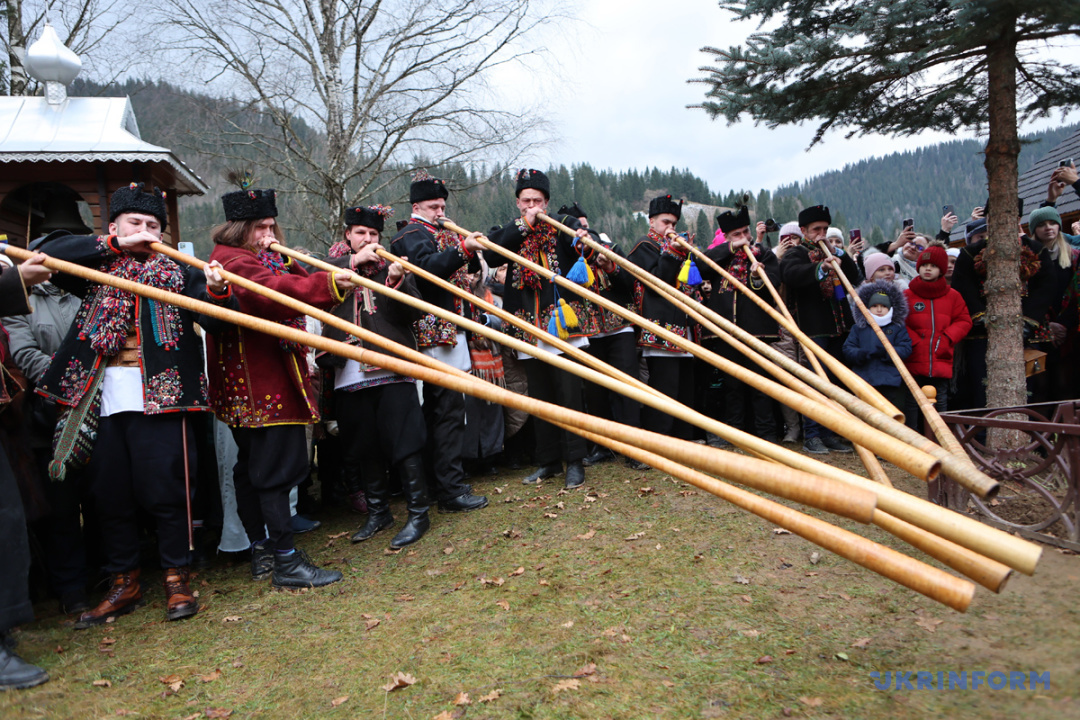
{"points": [[568, 684], [237, 663], [175, 682], [811, 701], [550, 515], [568, 624], [448, 549], [861, 643], [338, 536], [338, 700], [210, 677], [519, 571], [844, 596], [106, 641], [102, 683], [497, 582], [123, 712], [503, 604], [217, 712], [751, 633], [741, 580], [491, 696], [399, 680], [815, 558], [780, 531], [371, 624], [462, 698], [404, 598], [928, 624], [764, 659], [745, 598], [390, 551], [636, 536], [231, 618], [450, 714], [544, 582], [667, 683], [192, 716], [585, 671], [560, 505], [587, 536], [512, 534]]}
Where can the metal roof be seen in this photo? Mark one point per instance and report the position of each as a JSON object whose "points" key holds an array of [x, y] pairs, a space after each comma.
{"points": [[1033, 183], [83, 129]]}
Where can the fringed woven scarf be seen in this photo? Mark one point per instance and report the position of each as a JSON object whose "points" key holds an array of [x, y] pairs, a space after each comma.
{"points": [[112, 310], [738, 268], [275, 263], [538, 247]]}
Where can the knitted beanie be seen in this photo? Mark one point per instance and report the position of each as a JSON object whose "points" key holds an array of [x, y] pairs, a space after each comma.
{"points": [[1041, 215], [874, 262], [933, 255]]}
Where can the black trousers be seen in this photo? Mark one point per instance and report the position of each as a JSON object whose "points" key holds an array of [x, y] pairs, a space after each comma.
{"points": [[673, 376], [553, 385], [835, 347], [69, 531], [138, 462], [444, 413], [271, 461], [738, 394], [619, 351], [384, 422], [15, 607]]}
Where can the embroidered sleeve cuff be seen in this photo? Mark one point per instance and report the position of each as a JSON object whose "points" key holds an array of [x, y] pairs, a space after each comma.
{"points": [[219, 298], [821, 271], [111, 243], [335, 291], [466, 253]]}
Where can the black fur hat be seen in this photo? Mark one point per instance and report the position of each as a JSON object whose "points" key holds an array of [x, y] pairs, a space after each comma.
{"points": [[729, 221], [250, 204], [133, 199], [664, 204], [573, 210], [424, 187], [532, 180], [373, 216], [814, 213]]}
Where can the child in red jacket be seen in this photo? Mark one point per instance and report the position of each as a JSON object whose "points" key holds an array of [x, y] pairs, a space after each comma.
{"points": [[937, 320]]}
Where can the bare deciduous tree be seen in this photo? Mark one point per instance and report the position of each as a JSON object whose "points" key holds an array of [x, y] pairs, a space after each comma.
{"points": [[356, 90], [87, 27]]}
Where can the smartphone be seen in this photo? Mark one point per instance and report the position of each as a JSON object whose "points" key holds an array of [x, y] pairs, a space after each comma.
{"points": [[909, 223], [948, 210], [1067, 162], [188, 248], [855, 234]]}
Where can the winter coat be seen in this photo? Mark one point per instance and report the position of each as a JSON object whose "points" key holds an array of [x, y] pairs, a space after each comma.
{"points": [[257, 380], [811, 298], [663, 259], [733, 304], [863, 350], [935, 325], [35, 337], [1036, 290]]}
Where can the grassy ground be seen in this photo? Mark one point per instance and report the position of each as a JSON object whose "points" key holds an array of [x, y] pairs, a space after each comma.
{"points": [[705, 613]]}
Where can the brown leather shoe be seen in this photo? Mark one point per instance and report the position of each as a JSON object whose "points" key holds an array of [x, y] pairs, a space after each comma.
{"points": [[179, 602], [124, 596]]}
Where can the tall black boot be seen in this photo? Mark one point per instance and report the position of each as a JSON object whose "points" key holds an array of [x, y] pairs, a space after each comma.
{"points": [[378, 502], [411, 472]]}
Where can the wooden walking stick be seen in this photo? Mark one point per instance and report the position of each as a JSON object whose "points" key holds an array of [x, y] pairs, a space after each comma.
{"points": [[925, 579], [903, 455], [802, 487], [960, 469], [782, 315], [947, 521], [941, 431]]}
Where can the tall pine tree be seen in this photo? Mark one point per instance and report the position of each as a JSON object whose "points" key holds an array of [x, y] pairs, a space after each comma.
{"points": [[897, 67]]}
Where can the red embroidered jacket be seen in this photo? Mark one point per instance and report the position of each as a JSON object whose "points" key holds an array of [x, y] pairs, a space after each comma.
{"points": [[257, 380]]}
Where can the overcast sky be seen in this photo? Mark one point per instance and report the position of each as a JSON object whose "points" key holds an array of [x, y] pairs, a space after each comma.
{"points": [[623, 95]]}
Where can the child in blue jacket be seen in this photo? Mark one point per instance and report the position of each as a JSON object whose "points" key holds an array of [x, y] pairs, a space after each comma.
{"points": [[863, 350]]}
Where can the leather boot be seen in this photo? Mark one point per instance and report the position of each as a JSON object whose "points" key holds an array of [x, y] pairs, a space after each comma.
{"points": [[124, 596], [16, 673], [411, 471], [575, 474], [262, 560], [179, 602], [296, 570], [378, 503]]}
